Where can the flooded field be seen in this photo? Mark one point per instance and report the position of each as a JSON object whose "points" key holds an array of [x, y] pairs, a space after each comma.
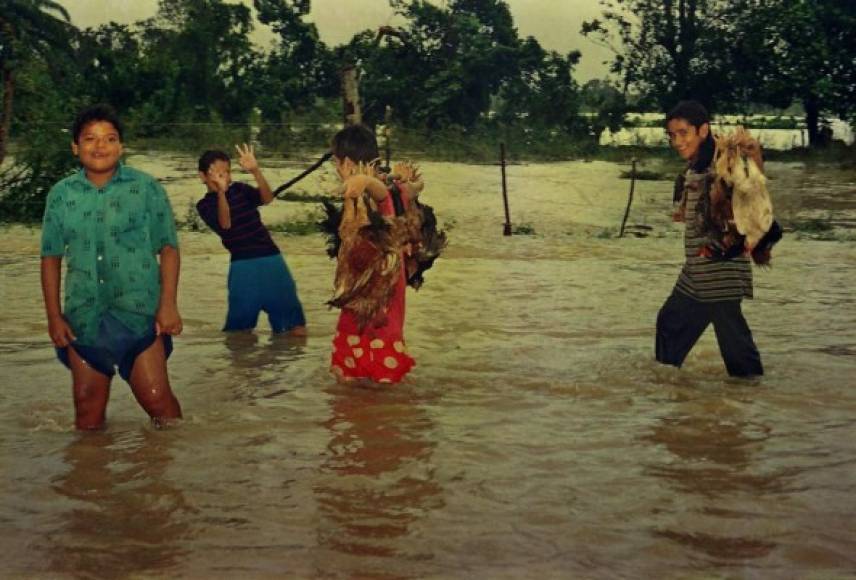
{"points": [[651, 132], [536, 437]]}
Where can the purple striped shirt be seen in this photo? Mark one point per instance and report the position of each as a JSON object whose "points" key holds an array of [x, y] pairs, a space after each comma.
{"points": [[248, 237]]}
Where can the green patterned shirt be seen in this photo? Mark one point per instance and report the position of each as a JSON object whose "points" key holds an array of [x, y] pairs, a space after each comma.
{"points": [[110, 238]]}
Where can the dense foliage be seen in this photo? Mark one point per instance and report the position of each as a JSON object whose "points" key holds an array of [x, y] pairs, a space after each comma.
{"points": [[191, 77], [732, 54]]}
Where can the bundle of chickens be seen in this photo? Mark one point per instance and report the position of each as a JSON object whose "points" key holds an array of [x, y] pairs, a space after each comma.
{"points": [[740, 207], [370, 247]]}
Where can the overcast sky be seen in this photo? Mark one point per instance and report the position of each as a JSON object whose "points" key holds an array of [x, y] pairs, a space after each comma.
{"points": [[555, 23]]}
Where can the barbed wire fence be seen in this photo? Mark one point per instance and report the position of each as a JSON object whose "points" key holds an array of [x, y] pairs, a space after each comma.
{"points": [[503, 147]]}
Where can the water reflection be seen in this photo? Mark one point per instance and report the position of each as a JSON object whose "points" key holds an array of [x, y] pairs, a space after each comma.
{"points": [[377, 480], [124, 516], [247, 350], [714, 455], [561, 368], [717, 476], [256, 365]]}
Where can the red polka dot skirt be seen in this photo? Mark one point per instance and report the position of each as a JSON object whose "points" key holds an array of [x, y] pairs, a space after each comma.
{"points": [[377, 352]]}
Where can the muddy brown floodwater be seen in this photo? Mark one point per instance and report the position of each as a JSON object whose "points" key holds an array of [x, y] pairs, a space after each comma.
{"points": [[536, 437]]}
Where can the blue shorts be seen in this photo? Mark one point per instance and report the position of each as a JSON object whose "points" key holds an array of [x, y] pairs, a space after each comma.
{"points": [[263, 284], [116, 346]]}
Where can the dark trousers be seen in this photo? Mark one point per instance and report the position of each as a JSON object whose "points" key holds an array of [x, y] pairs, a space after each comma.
{"points": [[682, 320]]}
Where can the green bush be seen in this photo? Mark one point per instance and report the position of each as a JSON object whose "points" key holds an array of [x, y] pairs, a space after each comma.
{"points": [[41, 157], [303, 227], [523, 230]]}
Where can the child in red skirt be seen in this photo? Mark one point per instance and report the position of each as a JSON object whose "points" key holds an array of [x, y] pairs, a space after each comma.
{"points": [[369, 342]]}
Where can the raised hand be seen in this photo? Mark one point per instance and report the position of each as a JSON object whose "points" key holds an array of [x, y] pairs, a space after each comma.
{"points": [[406, 171], [247, 158], [355, 185]]}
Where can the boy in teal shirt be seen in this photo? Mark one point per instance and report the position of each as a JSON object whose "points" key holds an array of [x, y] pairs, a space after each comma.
{"points": [[111, 222]]}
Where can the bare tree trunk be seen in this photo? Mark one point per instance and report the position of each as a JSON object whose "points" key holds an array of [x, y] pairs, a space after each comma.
{"points": [[812, 119], [351, 96], [6, 113]]}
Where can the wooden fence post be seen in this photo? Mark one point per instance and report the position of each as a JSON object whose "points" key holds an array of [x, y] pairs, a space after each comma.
{"points": [[387, 117], [629, 197], [351, 95], [506, 229]]}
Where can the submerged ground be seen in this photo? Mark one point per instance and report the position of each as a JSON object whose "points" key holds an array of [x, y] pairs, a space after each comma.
{"points": [[536, 438]]}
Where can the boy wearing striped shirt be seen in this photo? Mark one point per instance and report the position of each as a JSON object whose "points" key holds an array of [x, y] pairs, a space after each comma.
{"points": [[712, 282], [259, 279]]}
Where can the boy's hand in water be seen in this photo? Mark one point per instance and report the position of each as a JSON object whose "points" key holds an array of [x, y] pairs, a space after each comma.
{"points": [[167, 320], [247, 158], [60, 331]]}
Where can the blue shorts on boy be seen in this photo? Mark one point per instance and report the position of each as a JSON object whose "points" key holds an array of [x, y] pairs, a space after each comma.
{"points": [[262, 284], [259, 279], [115, 346]]}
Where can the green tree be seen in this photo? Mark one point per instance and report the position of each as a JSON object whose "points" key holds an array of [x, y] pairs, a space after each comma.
{"points": [[541, 88], [300, 69], [444, 67], [164, 100], [196, 62], [669, 50], [47, 100], [730, 54], [803, 51], [605, 105], [467, 51], [27, 27], [110, 62]]}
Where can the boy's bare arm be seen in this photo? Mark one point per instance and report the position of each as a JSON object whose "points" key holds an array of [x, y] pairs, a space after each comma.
{"points": [[248, 162], [58, 329], [167, 319], [264, 188], [355, 185], [220, 183]]}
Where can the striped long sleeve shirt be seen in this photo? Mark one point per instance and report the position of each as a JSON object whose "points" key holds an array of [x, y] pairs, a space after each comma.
{"points": [[702, 278], [248, 237]]}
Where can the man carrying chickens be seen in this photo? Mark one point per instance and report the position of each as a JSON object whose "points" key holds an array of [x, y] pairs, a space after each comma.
{"points": [[723, 201]]}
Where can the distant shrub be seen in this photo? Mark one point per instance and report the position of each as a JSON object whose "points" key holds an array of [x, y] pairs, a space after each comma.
{"points": [[523, 230], [646, 175], [811, 226], [304, 227]]}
